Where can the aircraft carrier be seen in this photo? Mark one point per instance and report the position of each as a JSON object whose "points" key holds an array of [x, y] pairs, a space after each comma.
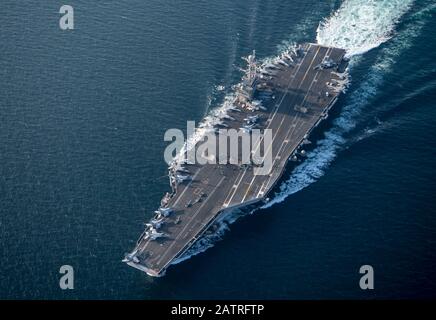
{"points": [[290, 95]]}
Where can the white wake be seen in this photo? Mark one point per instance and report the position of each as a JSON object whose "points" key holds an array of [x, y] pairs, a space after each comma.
{"points": [[327, 149], [357, 26], [361, 25]]}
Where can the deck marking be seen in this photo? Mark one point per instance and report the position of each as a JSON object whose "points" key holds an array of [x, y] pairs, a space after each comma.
{"points": [[278, 107], [188, 224], [266, 183], [197, 220], [283, 119]]}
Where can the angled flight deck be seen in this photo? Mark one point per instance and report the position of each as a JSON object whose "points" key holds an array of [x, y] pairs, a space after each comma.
{"points": [[302, 92]]}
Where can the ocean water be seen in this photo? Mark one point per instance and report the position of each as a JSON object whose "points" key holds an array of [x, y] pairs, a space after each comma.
{"points": [[82, 118]]}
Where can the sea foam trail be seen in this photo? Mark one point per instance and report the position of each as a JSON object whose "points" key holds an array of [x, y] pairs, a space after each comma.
{"points": [[343, 29], [361, 25], [335, 139]]}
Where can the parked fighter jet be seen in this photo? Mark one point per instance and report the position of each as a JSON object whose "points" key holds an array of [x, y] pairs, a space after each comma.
{"points": [[183, 170], [131, 257], [165, 212], [234, 109], [182, 178], [152, 234], [326, 64], [252, 119]]}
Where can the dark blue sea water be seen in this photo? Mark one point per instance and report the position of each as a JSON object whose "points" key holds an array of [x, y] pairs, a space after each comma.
{"points": [[82, 118]]}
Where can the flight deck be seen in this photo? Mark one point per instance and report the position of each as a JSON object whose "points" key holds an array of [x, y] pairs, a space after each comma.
{"points": [[297, 92]]}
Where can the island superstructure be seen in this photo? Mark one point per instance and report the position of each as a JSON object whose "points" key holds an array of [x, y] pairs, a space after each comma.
{"points": [[290, 95]]}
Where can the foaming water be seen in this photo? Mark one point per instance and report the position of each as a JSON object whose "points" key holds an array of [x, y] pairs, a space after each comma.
{"points": [[82, 155], [213, 117], [221, 226], [361, 25], [356, 26], [335, 139]]}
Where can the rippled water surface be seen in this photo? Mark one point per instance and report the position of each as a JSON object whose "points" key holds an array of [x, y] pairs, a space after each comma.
{"points": [[82, 118]]}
